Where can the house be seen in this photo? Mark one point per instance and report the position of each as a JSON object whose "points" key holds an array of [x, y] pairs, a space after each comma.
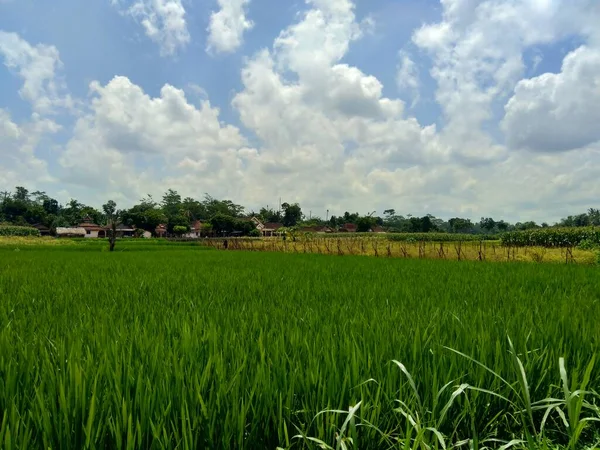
{"points": [[161, 231], [271, 229], [316, 229], [258, 223], [348, 228], [377, 229], [64, 232], [91, 229], [125, 231], [44, 230], [195, 230]]}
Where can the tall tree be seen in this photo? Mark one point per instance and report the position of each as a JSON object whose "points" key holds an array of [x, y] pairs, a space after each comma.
{"points": [[112, 218], [292, 214]]}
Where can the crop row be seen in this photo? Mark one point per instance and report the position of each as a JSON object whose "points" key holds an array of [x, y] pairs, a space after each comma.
{"points": [[12, 230], [552, 237]]}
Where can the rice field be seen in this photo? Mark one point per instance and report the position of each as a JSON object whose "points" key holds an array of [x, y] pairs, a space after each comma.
{"points": [[177, 347], [386, 247]]}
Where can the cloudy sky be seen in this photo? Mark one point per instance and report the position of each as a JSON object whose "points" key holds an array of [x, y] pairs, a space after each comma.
{"points": [[453, 107]]}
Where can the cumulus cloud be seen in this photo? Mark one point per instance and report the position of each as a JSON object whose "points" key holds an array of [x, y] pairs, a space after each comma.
{"points": [[130, 140], [19, 164], [163, 21], [37, 66], [557, 112], [477, 51], [326, 133], [227, 26]]}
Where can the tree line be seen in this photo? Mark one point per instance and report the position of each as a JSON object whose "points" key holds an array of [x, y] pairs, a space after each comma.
{"points": [[177, 214]]}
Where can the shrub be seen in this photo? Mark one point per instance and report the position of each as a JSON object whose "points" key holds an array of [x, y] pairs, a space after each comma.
{"points": [[12, 230]]}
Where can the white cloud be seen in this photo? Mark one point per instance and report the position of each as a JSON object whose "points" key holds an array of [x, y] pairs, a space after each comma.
{"points": [[37, 66], [407, 77], [327, 133], [19, 164], [557, 112], [227, 26], [477, 51], [163, 21], [130, 141]]}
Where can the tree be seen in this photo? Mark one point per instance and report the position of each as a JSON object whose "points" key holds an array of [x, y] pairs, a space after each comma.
{"points": [[180, 230], [145, 215], [594, 215], [488, 224], [459, 225], [222, 223], [112, 217], [365, 224], [292, 214], [270, 215], [502, 226]]}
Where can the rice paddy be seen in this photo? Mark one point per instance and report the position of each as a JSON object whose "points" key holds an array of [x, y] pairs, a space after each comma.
{"points": [[189, 349]]}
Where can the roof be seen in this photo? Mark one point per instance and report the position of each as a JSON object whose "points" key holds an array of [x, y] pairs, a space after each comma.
{"points": [[88, 225], [350, 226], [70, 231], [316, 229], [41, 227], [273, 226], [378, 229], [196, 226]]}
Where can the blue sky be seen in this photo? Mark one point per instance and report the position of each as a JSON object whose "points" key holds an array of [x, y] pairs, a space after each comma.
{"points": [[454, 107]]}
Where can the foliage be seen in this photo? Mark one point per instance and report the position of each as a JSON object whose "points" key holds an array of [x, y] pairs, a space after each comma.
{"points": [[292, 214], [11, 230], [223, 224], [246, 349], [365, 223], [440, 237], [552, 237], [180, 230]]}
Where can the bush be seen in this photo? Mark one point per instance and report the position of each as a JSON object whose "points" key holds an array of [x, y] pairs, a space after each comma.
{"points": [[12, 230], [553, 237]]}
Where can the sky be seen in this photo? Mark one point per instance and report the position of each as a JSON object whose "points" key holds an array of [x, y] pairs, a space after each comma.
{"points": [[450, 107]]}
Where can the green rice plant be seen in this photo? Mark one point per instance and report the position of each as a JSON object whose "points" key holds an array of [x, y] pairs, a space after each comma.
{"points": [[164, 346]]}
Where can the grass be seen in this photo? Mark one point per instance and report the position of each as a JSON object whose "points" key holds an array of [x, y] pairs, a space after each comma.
{"points": [[187, 349]]}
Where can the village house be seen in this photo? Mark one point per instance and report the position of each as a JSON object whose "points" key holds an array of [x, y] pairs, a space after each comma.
{"points": [[44, 230], [161, 231], [316, 229], [348, 228], [92, 230], [125, 231], [271, 229], [257, 222], [195, 230]]}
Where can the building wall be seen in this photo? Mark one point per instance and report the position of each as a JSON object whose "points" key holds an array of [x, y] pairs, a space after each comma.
{"points": [[91, 234]]}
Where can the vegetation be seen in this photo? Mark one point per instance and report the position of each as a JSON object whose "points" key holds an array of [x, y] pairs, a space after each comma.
{"points": [[441, 237], [209, 349], [12, 230], [22, 207], [553, 237]]}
